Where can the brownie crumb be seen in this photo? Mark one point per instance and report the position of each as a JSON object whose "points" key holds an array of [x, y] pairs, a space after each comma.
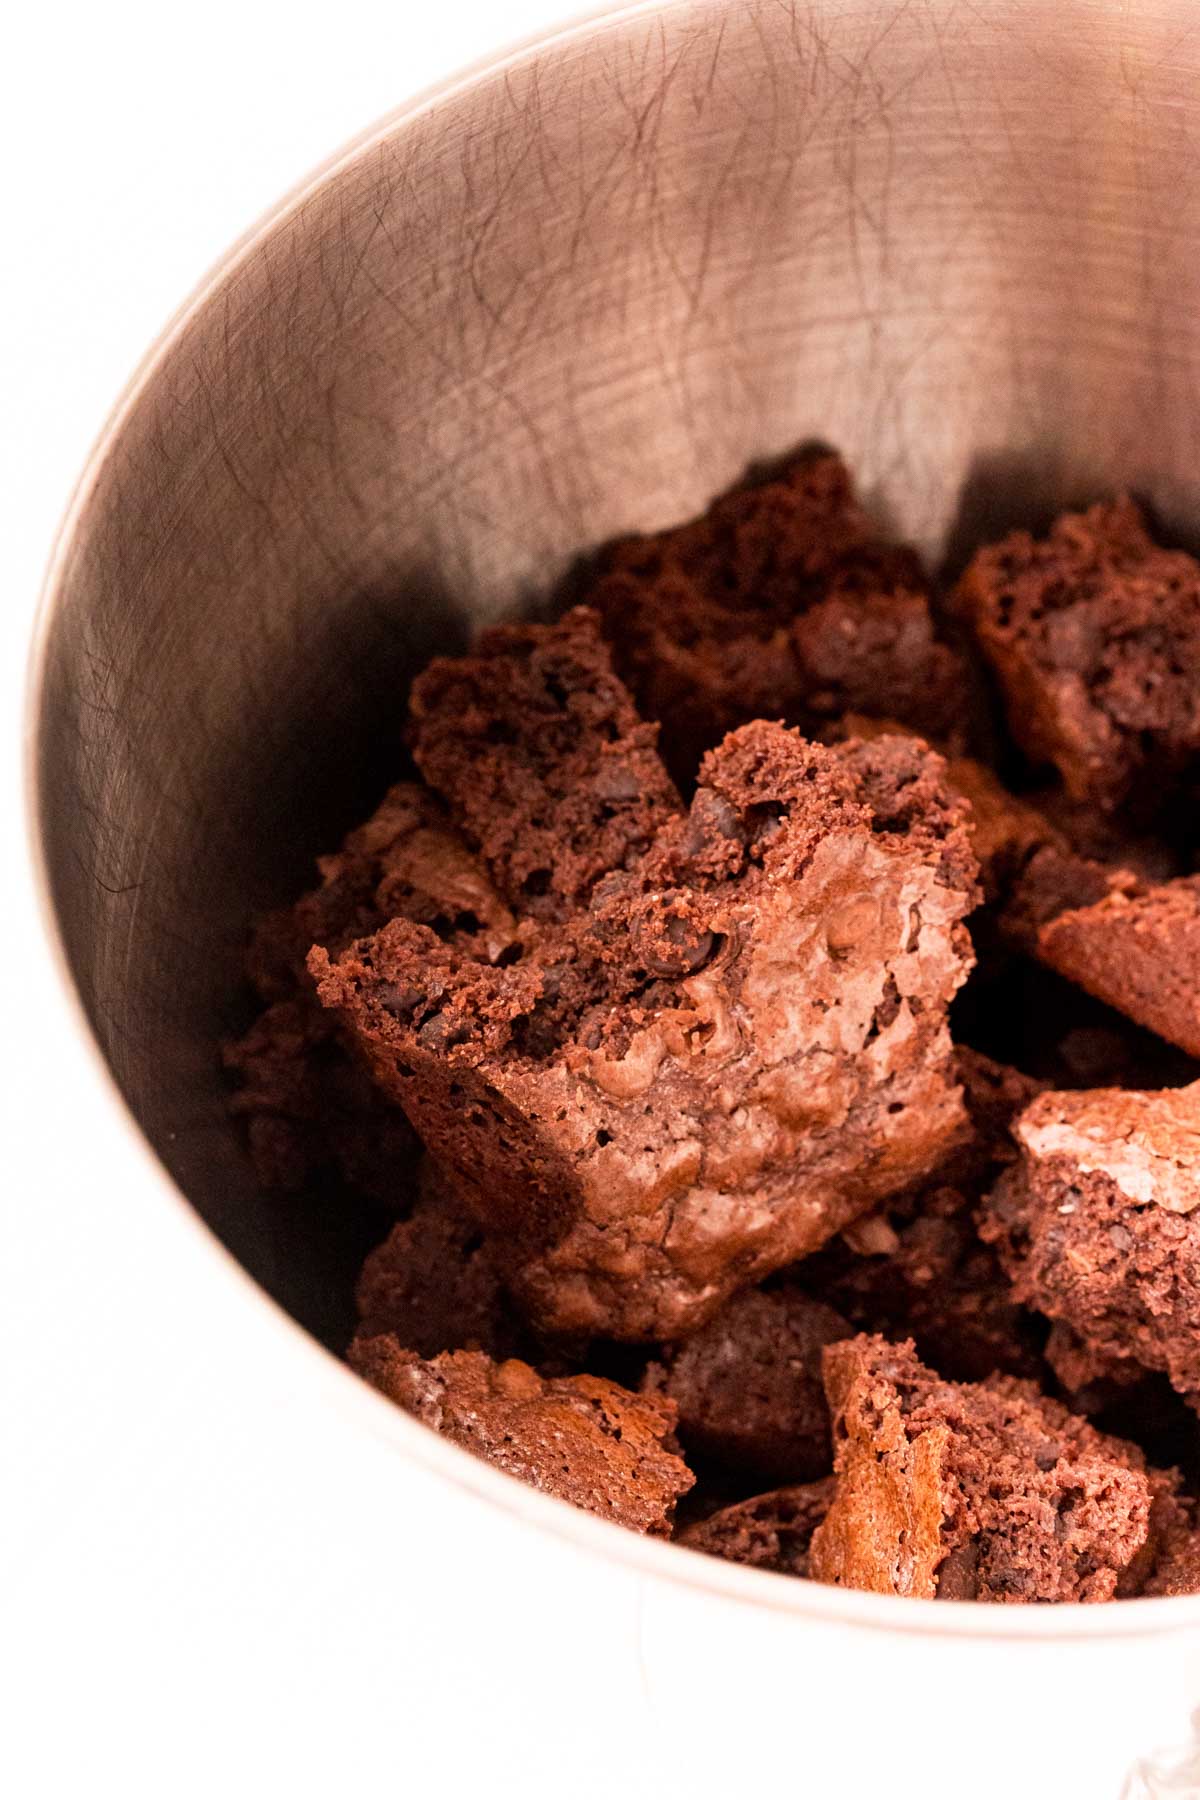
{"points": [[578, 1437]]}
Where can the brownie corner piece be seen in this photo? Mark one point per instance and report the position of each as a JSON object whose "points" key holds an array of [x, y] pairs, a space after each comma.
{"points": [[581, 1438], [1093, 632], [539, 753], [985, 1491]]}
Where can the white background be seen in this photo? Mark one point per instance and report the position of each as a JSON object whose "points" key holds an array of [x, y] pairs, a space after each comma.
{"points": [[194, 1550], [175, 1559]]}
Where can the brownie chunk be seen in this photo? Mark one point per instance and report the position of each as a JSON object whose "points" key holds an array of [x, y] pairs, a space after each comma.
{"points": [[781, 602], [406, 860], [1052, 882], [947, 1490], [1100, 838], [1092, 1381], [930, 1277], [1094, 633], [538, 751], [771, 1531], [1176, 1568], [579, 1437], [311, 1112], [1140, 952], [742, 1045], [919, 1268], [748, 1387], [1097, 1225], [1030, 870], [309, 1108], [435, 1283]]}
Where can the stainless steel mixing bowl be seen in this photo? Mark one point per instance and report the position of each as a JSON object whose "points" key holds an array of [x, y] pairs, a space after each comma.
{"points": [[572, 295]]}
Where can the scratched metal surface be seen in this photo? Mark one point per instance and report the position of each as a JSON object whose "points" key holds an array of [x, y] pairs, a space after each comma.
{"points": [[575, 297]]}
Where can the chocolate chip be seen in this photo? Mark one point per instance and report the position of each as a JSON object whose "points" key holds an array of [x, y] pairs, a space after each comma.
{"points": [[765, 822], [552, 980], [399, 998], [692, 954], [711, 820], [957, 1577], [610, 888], [442, 1033], [616, 783]]}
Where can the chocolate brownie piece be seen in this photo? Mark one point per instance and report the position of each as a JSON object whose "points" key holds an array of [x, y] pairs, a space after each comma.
{"points": [[741, 1046], [948, 1490], [1097, 1227], [1094, 634], [930, 1277], [579, 1437], [1092, 1381], [781, 602], [309, 1107], [771, 1531], [310, 1110], [407, 859], [920, 1268], [544, 762], [1176, 1567], [747, 1385], [1121, 1397], [1100, 838], [1140, 952], [1029, 869], [435, 1282], [1052, 882]]}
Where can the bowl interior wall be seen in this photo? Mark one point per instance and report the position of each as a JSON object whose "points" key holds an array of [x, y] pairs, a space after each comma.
{"points": [[573, 298]]}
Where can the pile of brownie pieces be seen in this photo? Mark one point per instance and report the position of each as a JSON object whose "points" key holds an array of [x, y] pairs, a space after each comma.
{"points": [[768, 1021]]}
